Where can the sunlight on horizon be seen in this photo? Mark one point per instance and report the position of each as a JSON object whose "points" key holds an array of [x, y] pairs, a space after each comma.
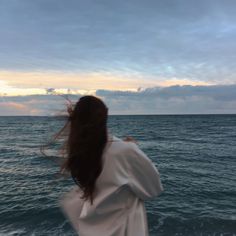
{"points": [[17, 83]]}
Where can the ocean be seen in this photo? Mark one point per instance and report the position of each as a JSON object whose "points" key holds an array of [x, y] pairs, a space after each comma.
{"points": [[195, 155]]}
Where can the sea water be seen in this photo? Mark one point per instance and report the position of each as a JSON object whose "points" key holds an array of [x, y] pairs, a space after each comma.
{"points": [[195, 155]]}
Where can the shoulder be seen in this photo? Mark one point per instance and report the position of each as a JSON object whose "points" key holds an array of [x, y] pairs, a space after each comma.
{"points": [[125, 151], [123, 147]]}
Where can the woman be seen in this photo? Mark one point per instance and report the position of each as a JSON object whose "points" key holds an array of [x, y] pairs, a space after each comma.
{"points": [[113, 176]]}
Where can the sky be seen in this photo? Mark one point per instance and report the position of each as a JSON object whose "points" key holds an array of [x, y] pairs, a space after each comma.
{"points": [[139, 56]]}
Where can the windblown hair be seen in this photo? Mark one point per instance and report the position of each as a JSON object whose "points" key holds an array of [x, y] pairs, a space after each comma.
{"points": [[85, 142]]}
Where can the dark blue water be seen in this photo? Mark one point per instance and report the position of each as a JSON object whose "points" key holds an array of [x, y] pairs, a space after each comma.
{"points": [[196, 156]]}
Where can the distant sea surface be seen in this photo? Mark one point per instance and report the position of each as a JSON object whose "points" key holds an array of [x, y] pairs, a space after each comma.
{"points": [[195, 155]]}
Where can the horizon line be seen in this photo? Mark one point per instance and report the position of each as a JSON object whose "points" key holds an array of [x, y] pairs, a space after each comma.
{"points": [[173, 114]]}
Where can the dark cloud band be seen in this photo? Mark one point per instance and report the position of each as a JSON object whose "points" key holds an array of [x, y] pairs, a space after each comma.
{"points": [[217, 99]]}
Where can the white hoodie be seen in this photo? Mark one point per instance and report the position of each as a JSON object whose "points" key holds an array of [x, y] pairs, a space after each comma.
{"points": [[127, 179]]}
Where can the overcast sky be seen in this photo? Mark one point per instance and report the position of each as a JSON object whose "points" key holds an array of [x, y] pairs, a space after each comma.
{"points": [[97, 47]]}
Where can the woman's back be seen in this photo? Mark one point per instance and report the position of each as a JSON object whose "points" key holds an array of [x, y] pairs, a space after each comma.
{"points": [[128, 178]]}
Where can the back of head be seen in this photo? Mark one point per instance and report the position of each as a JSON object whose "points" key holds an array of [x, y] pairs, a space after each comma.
{"points": [[86, 141]]}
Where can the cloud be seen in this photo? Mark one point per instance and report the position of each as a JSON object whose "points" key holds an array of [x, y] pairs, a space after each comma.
{"points": [[173, 100], [33, 105], [171, 39], [12, 81], [214, 99], [217, 92], [15, 108]]}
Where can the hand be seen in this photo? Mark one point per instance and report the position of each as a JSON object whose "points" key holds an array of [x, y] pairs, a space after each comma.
{"points": [[130, 139]]}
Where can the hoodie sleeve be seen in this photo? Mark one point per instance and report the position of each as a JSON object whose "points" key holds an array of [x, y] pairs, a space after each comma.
{"points": [[144, 177]]}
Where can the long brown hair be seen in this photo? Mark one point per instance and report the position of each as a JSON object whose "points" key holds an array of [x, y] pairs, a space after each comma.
{"points": [[85, 141]]}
